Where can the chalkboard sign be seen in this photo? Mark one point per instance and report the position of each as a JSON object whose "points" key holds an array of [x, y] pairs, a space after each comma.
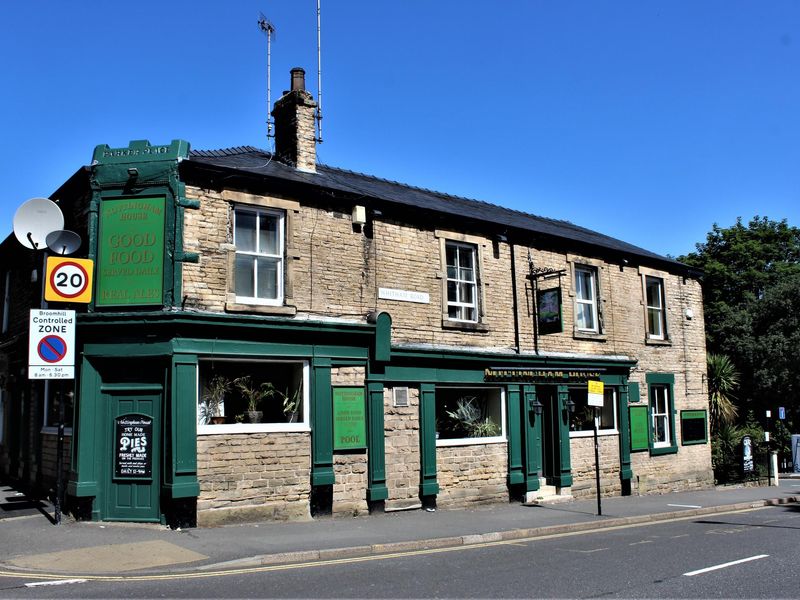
{"points": [[133, 436], [693, 427], [640, 432], [349, 418]]}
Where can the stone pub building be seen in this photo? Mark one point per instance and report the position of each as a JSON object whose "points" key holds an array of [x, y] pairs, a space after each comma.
{"points": [[271, 338]]}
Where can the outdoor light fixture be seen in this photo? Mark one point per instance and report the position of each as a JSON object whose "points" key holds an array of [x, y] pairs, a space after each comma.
{"points": [[535, 406], [570, 405], [133, 172]]}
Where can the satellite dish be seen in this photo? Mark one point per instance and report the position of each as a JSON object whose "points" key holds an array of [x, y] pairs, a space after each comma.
{"points": [[63, 241], [35, 219]]}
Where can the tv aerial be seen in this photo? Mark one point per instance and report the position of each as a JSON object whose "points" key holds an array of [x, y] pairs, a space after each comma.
{"points": [[269, 29], [34, 220]]}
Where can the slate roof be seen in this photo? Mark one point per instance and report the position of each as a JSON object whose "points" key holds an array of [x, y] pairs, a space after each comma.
{"points": [[253, 161]]}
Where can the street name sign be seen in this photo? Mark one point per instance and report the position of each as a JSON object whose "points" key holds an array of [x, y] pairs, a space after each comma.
{"points": [[51, 351]]}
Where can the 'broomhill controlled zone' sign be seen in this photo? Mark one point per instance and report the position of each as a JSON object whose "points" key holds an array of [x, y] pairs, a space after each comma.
{"points": [[51, 352]]}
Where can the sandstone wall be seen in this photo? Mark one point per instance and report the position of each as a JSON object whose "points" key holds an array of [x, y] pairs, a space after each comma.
{"points": [[474, 474], [253, 476], [401, 426]]}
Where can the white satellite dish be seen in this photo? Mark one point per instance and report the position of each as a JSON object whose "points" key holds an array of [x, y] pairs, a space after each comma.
{"points": [[35, 219], [63, 241]]}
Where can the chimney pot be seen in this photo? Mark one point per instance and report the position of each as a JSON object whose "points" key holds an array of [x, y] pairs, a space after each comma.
{"points": [[298, 79]]}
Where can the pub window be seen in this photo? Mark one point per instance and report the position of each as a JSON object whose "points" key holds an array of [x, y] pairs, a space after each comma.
{"points": [[462, 282], [581, 421], [655, 306], [469, 415], [236, 396], [586, 313]]}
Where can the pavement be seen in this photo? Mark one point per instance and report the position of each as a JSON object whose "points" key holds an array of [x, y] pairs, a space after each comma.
{"points": [[32, 544]]}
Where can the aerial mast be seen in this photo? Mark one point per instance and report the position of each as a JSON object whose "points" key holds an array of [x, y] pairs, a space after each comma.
{"points": [[269, 30]]}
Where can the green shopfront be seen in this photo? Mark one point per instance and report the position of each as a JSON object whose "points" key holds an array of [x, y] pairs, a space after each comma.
{"points": [[185, 416]]}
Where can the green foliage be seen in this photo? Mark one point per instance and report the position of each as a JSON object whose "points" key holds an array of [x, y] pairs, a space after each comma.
{"points": [[723, 380], [468, 420], [252, 393], [213, 396], [751, 288]]}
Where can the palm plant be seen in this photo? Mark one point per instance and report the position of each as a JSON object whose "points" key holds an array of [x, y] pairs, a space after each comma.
{"points": [[723, 380]]}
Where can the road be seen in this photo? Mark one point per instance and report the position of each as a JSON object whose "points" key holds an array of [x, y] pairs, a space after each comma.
{"points": [[750, 554]]}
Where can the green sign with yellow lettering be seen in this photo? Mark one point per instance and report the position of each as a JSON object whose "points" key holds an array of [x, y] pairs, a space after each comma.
{"points": [[349, 418], [130, 253]]}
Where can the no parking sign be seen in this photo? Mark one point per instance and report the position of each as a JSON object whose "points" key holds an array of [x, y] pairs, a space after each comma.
{"points": [[51, 352]]}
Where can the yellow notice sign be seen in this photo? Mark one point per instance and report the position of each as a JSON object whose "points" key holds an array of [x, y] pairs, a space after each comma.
{"points": [[595, 397], [68, 279]]}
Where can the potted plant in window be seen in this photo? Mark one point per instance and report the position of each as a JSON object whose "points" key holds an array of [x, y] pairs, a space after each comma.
{"points": [[213, 400], [253, 394], [290, 401], [469, 421]]}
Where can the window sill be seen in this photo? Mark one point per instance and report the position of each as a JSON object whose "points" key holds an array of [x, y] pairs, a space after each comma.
{"points": [[261, 309], [465, 326], [654, 342], [590, 433], [469, 441], [253, 428], [663, 450], [588, 335]]}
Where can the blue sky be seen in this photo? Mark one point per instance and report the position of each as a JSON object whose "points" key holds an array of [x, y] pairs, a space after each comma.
{"points": [[647, 121]]}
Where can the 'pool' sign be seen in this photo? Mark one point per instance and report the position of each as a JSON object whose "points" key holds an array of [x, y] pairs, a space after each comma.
{"points": [[51, 352]]}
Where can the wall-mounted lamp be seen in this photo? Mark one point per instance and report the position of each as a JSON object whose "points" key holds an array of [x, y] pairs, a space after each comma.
{"points": [[133, 172], [535, 406], [569, 405]]}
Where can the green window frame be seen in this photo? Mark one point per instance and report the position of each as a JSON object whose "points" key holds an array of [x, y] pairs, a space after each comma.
{"points": [[658, 384]]}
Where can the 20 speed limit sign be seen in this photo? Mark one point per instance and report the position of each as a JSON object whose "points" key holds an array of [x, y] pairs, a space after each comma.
{"points": [[68, 279]]}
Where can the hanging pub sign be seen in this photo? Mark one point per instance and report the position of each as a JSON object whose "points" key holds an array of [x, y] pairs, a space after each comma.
{"points": [[349, 418], [130, 253], [133, 437], [548, 314]]}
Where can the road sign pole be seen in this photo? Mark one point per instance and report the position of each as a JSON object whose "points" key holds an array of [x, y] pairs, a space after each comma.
{"points": [[60, 458], [597, 462]]}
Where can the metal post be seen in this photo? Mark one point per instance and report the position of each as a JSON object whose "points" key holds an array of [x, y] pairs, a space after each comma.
{"points": [[59, 458], [597, 463]]}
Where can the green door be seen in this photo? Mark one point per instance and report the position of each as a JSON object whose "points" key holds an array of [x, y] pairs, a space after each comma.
{"points": [[134, 433]]}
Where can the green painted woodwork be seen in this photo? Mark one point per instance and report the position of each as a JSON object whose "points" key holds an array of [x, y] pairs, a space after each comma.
{"points": [[126, 499], [86, 462], [667, 379], [427, 438], [383, 337], [130, 258], [136, 175], [564, 476], [516, 474], [625, 469], [376, 489], [532, 431], [322, 425], [349, 418], [694, 427], [180, 475], [634, 395], [640, 429], [140, 151]]}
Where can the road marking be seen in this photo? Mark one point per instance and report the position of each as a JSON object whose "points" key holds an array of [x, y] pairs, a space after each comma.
{"points": [[642, 542], [312, 564], [725, 565], [685, 505], [59, 582], [587, 551], [675, 537]]}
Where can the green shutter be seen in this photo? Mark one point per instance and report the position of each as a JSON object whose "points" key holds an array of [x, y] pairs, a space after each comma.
{"points": [[640, 436]]}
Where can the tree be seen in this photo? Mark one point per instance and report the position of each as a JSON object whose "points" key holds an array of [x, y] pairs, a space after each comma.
{"points": [[751, 288], [723, 379]]}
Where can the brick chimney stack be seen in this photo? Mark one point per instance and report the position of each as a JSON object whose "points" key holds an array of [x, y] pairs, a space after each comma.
{"points": [[295, 139]]}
